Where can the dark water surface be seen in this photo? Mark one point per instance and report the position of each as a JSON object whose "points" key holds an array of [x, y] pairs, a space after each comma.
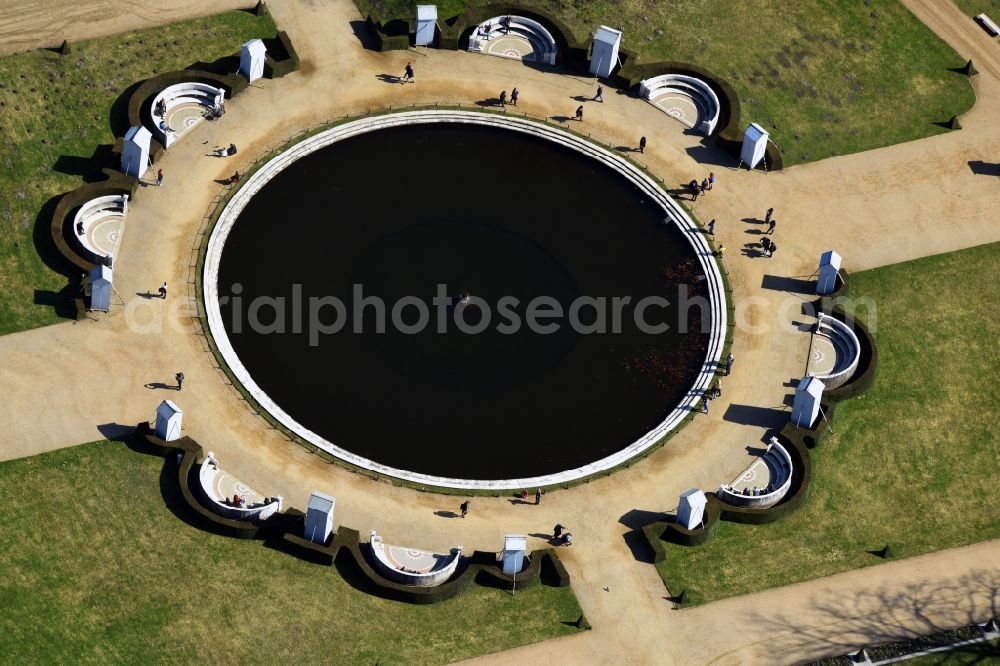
{"points": [[486, 211]]}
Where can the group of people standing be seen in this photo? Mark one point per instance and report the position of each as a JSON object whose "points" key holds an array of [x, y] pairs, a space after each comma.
{"points": [[765, 242], [514, 95], [695, 188]]}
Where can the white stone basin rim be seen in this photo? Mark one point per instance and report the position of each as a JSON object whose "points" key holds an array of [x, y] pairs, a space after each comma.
{"points": [[673, 212]]}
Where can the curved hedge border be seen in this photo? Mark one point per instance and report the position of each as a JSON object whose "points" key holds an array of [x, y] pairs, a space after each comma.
{"points": [[572, 51], [281, 60], [63, 234], [864, 376], [282, 531], [729, 131], [797, 441], [574, 54], [139, 101]]}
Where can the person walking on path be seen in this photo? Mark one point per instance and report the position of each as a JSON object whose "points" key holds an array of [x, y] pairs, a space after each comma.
{"points": [[711, 181], [408, 74], [704, 185], [770, 226], [767, 216], [159, 177], [514, 94], [711, 227], [704, 406], [642, 145], [767, 245], [163, 290], [180, 380], [729, 363], [721, 251], [465, 508], [693, 189], [771, 250], [579, 113], [503, 99], [538, 496], [599, 97], [235, 178], [558, 530]]}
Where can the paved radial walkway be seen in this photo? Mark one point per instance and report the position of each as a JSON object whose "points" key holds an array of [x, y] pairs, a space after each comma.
{"points": [[76, 382]]}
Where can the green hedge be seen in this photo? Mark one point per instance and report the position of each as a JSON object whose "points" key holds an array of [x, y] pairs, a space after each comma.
{"points": [[867, 370], [345, 550], [282, 58], [393, 35], [141, 98], [797, 441], [730, 128], [572, 51], [64, 235]]}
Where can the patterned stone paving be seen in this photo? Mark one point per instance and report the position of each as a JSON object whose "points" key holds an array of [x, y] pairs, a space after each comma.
{"points": [[822, 356], [511, 46], [225, 485], [679, 107], [755, 476], [182, 118], [104, 236]]}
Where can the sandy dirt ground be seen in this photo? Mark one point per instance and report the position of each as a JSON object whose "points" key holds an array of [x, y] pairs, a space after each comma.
{"points": [[77, 382]]}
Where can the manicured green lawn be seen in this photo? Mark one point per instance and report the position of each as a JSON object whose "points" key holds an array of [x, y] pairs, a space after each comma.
{"points": [[912, 463], [825, 77], [55, 110], [97, 569], [976, 7]]}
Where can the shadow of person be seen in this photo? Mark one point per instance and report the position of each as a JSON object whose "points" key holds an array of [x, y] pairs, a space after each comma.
{"points": [[160, 385], [146, 294], [447, 514], [549, 539], [560, 119], [388, 78]]}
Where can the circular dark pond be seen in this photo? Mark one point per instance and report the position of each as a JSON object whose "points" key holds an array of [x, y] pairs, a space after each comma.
{"points": [[413, 219]]}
